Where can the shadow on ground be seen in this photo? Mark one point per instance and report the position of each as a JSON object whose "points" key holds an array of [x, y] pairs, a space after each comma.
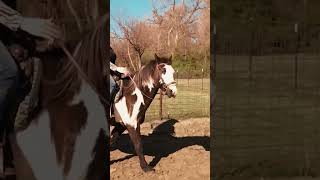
{"points": [[161, 143]]}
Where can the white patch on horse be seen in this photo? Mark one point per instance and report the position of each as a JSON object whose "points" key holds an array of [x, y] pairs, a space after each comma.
{"points": [[168, 78], [122, 108], [44, 153], [149, 84], [86, 141]]}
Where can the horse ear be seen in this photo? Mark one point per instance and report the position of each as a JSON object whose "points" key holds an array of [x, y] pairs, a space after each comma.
{"points": [[161, 66], [170, 60], [156, 57]]}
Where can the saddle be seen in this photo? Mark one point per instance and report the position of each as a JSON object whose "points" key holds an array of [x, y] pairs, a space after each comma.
{"points": [[27, 103], [31, 67]]}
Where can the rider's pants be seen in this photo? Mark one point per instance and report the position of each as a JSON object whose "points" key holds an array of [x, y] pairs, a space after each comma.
{"points": [[113, 85], [8, 80]]}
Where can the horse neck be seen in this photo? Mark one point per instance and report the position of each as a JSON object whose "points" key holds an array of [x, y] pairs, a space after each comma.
{"points": [[147, 94]]}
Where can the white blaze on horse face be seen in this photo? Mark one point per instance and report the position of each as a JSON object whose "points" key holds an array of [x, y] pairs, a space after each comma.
{"points": [[122, 108], [168, 78]]}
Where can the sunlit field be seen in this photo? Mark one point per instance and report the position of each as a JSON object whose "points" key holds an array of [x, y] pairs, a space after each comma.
{"points": [[192, 101]]}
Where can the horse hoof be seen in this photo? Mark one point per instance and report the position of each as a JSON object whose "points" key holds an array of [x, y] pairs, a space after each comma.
{"points": [[148, 169]]}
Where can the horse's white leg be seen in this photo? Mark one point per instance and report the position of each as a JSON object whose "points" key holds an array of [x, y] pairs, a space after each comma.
{"points": [[38, 149]]}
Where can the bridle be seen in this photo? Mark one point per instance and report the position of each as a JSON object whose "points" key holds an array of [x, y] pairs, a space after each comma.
{"points": [[165, 87]]}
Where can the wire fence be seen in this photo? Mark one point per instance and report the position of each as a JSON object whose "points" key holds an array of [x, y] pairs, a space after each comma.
{"points": [[192, 101], [267, 102]]}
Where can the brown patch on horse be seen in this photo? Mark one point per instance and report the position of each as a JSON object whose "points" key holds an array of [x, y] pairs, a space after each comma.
{"points": [[66, 124]]}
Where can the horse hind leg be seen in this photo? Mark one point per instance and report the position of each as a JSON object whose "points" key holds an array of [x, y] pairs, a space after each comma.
{"points": [[136, 139]]}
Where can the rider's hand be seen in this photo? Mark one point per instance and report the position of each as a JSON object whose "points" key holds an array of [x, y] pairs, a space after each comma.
{"points": [[41, 27], [126, 73], [6, 9]]}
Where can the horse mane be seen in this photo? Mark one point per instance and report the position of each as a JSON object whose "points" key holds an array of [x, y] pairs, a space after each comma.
{"points": [[145, 73], [91, 55]]}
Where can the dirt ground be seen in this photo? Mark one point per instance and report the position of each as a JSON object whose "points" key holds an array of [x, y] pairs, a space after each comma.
{"points": [[176, 149]]}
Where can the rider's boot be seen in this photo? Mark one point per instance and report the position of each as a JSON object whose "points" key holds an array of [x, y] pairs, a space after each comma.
{"points": [[118, 94], [114, 97]]}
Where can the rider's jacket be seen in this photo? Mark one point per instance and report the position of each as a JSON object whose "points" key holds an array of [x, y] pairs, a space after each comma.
{"points": [[114, 68]]}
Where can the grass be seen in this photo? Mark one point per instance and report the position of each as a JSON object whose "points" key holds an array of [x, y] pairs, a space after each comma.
{"points": [[192, 101], [265, 127]]}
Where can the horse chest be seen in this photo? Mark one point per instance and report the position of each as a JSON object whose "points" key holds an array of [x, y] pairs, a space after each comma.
{"points": [[129, 107]]}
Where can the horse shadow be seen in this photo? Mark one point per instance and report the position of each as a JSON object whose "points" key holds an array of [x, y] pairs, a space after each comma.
{"points": [[160, 143]]}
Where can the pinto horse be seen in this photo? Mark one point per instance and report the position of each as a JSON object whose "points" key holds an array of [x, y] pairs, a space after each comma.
{"points": [[66, 137], [138, 93]]}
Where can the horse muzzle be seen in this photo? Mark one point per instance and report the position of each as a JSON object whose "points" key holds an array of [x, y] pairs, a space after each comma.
{"points": [[171, 92], [170, 89]]}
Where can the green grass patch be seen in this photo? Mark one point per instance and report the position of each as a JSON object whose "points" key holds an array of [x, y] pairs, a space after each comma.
{"points": [[192, 101]]}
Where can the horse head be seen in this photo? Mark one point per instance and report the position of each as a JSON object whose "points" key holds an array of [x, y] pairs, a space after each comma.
{"points": [[167, 81]]}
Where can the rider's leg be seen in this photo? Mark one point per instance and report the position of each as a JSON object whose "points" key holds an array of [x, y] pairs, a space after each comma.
{"points": [[114, 89], [8, 80], [112, 93], [112, 85]]}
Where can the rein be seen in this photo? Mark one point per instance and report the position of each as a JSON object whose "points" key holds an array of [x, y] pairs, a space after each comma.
{"points": [[82, 74], [138, 88], [165, 86]]}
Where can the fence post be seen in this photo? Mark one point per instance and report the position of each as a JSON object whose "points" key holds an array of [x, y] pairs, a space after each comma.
{"points": [[250, 56], [202, 79], [296, 30], [188, 76], [177, 76], [214, 51], [160, 112]]}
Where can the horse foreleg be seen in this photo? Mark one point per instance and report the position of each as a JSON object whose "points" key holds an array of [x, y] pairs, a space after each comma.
{"points": [[136, 139], [116, 133]]}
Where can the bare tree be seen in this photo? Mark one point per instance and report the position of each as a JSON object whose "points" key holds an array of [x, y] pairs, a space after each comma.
{"points": [[137, 35], [176, 22]]}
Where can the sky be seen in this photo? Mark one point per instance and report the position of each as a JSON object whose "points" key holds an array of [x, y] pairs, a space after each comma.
{"points": [[137, 9]]}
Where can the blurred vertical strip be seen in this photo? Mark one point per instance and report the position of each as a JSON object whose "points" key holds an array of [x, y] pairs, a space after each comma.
{"points": [[212, 86]]}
